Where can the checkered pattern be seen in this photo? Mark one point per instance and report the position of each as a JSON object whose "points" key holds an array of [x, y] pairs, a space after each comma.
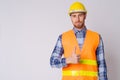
{"points": [[56, 59]]}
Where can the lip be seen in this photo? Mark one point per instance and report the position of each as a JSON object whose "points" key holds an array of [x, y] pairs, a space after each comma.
{"points": [[78, 22]]}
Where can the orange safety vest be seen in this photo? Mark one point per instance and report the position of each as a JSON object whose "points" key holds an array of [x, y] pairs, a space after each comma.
{"points": [[86, 69]]}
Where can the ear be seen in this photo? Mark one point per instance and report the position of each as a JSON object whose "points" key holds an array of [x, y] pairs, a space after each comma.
{"points": [[85, 15]]}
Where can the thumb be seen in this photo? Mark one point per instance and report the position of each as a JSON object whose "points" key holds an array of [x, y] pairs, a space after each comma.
{"points": [[74, 51]]}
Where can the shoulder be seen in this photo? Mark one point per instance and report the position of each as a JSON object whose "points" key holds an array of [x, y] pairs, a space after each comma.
{"points": [[67, 34], [64, 34], [98, 34], [93, 32], [67, 31]]}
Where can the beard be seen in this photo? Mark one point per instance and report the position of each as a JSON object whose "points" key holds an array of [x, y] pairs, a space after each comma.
{"points": [[79, 25]]}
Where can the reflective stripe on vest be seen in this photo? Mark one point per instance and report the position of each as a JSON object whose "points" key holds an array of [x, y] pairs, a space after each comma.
{"points": [[89, 62], [87, 68], [79, 73]]}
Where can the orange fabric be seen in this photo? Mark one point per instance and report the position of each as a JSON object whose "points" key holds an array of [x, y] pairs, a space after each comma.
{"points": [[78, 78], [88, 50]]}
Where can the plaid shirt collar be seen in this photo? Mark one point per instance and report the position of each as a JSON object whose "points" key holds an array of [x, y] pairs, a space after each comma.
{"points": [[81, 31]]}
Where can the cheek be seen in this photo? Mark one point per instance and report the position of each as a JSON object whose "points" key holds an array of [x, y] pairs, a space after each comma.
{"points": [[73, 20], [82, 19]]}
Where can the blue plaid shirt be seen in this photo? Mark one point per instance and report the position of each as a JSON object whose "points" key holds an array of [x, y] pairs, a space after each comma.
{"points": [[56, 59]]}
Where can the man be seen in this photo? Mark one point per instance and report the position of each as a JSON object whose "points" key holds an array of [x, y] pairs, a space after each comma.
{"points": [[79, 52]]}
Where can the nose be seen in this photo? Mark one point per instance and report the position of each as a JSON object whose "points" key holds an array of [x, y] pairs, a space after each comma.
{"points": [[77, 19]]}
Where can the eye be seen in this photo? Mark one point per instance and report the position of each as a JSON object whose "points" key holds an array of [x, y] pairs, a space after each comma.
{"points": [[81, 15], [74, 16]]}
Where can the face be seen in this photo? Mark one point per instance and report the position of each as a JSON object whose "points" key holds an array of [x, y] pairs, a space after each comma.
{"points": [[78, 19]]}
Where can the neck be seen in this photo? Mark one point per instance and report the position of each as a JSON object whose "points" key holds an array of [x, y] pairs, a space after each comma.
{"points": [[80, 28]]}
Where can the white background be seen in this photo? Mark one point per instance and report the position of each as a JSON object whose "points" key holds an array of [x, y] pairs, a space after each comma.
{"points": [[29, 30]]}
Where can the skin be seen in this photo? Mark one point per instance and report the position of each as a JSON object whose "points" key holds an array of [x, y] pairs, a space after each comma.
{"points": [[74, 58], [78, 20]]}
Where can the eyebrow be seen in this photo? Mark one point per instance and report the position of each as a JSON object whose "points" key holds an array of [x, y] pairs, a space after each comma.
{"points": [[79, 13]]}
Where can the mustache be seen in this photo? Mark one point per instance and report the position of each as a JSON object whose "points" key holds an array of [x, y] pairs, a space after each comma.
{"points": [[78, 22]]}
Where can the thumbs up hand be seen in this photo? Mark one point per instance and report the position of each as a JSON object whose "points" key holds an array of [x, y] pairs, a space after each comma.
{"points": [[74, 58]]}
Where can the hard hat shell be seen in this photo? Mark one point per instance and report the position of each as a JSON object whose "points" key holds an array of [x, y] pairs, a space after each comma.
{"points": [[77, 7]]}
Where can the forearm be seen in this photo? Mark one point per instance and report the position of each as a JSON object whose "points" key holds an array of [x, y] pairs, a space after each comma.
{"points": [[57, 62], [102, 68], [56, 59]]}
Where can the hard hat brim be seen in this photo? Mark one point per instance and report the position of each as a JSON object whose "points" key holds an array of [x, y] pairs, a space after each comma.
{"points": [[81, 11]]}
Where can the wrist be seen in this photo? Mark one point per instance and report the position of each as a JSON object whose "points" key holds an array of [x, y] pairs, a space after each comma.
{"points": [[67, 61]]}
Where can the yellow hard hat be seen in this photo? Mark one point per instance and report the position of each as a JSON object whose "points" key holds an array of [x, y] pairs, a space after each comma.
{"points": [[77, 7]]}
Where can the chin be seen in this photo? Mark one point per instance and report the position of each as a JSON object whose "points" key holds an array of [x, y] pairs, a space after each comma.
{"points": [[79, 27]]}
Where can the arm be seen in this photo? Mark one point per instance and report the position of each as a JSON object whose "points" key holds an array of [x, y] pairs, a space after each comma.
{"points": [[56, 59], [102, 68]]}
